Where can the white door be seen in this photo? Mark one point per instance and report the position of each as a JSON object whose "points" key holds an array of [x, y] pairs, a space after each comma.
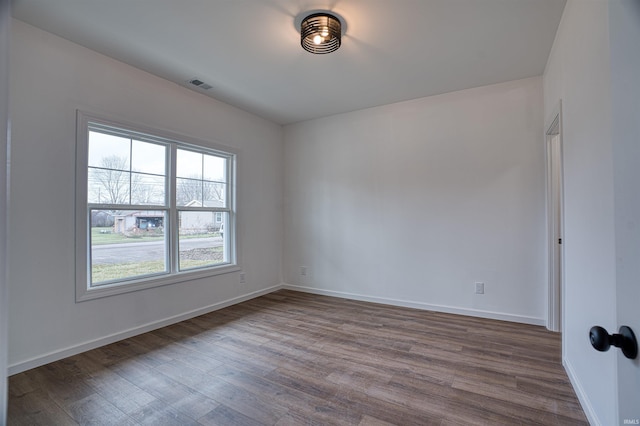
{"points": [[627, 204], [624, 27], [628, 289]]}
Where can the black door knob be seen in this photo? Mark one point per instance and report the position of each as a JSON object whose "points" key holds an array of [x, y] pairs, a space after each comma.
{"points": [[601, 340]]}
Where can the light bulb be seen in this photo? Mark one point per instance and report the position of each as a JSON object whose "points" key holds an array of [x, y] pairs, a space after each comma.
{"points": [[325, 32], [317, 39]]}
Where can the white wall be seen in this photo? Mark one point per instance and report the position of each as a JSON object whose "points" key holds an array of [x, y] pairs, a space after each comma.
{"points": [[578, 72], [51, 78], [5, 22], [411, 203]]}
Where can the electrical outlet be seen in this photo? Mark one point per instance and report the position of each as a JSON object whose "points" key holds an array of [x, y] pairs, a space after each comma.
{"points": [[479, 288], [303, 271], [243, 277]]}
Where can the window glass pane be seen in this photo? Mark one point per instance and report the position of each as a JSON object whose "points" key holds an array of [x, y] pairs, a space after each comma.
{"points": [[215, 168], [127, 244], [202, 240], [147, 189], [107, 186], [214, 194], [108, 151], [188, 164], [189, 192], [148, 158]]}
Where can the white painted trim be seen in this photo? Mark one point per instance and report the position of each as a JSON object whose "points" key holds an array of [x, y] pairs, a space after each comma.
{"points": [[112, 338], [556, 113], [172, 142], [555, 286], [5, 143], [588, 409], [420, 305]]}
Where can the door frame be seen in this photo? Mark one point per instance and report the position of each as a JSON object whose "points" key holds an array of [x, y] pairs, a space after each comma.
{"points": [[555, 220], [5, 35]]}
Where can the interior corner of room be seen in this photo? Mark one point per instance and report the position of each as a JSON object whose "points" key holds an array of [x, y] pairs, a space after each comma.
{"points": [[443, 203]]}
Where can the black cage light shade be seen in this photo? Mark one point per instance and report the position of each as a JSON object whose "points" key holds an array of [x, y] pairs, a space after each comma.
{"points": [[320, 33]]}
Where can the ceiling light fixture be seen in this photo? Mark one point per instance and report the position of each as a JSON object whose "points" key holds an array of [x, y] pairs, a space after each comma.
{"points": [[320, 33]]}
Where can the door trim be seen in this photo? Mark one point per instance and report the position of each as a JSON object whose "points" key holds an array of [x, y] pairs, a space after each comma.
{"points": [[555, 220]]}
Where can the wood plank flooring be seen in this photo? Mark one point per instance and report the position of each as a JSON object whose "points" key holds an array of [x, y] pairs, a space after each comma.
{"points": [[291, 358]]}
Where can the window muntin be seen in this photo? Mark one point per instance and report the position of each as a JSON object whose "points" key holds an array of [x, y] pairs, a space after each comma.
{"points": [[201, 242], [125, 171], [152, 208], [132, 245], [201, 178]]}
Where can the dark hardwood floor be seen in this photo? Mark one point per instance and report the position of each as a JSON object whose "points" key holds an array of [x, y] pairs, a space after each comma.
{"points": [[292, 358]]}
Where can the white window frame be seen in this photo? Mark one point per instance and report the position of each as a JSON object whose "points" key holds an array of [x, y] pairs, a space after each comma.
{"points": [[84, 290]]}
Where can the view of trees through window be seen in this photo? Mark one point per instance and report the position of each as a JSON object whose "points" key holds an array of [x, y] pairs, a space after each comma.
{"points": [[143, 195]]}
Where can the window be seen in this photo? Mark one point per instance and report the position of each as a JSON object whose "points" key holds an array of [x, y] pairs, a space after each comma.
{"points": [[152, 209]]}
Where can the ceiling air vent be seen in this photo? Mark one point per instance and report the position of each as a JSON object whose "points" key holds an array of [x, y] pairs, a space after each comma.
{"points": [[200, 84]]}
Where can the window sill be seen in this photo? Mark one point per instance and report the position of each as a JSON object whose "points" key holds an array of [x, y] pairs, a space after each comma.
{"points": [[84, 294]]}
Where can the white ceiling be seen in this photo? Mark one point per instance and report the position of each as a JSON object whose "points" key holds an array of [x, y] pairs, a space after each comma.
{"points": [[249, 50]]}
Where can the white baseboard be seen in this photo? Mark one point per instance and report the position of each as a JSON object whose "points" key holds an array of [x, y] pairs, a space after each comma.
{"points": [[420, 305], [112, 338], [582, 396]]}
